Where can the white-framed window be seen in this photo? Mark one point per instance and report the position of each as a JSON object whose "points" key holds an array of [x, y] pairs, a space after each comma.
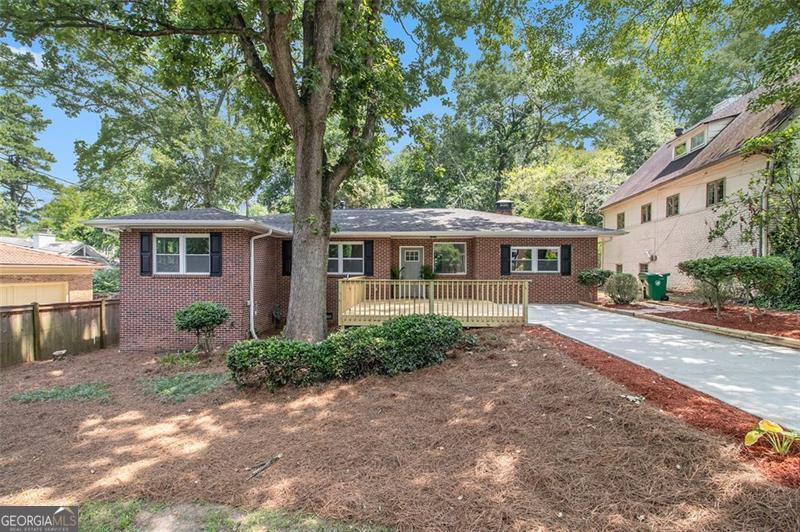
{"points": [[697, 141], [450, 258], [346, 258], [679, 150], [673, 205], [535, 260], [188, 254], [715, 192]]}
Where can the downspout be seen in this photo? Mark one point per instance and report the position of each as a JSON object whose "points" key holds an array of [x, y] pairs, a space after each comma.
{"points": [[763, 241], [253, 282]]}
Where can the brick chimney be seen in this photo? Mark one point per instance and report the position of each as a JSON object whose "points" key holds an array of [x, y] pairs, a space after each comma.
{"points": [[678, 131], [504, 206]]}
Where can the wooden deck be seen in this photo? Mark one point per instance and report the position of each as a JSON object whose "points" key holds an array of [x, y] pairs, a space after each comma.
{"points": [[474, 303]]}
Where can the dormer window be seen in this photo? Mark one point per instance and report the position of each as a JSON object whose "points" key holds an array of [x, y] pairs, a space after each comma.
{"points": [[695, 142], [698, 140]]}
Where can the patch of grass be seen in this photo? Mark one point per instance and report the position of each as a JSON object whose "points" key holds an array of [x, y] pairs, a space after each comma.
{"points": [[276, 520], [182, 359], [178, 388], [104, 516], [77, 392], [219, 521]]}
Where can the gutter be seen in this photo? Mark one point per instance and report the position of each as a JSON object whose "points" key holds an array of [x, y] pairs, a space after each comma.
{"points": [[252, 303]]}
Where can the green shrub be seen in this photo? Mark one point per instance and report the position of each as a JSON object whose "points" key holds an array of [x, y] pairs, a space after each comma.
{"points": [[106, 281], [401, 344], [278, 361], [202, 318], [595, 277], [623, 288], [750, 278], [416, 341], [182, 359]]}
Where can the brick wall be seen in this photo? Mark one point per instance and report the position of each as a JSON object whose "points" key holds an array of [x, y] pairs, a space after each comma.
{"points": [[148, 303], [483, 262], [78, 285]]}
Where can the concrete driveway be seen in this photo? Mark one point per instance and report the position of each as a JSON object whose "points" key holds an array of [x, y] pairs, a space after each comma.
{"points": [[758, 378]]}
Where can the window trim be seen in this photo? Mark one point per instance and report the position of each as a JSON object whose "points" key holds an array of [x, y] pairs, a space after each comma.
{"points": [[621, 216], [466, 258], [703, 132], [649, 206], [721, 199], [340, 260], [181, 253], [534, 260], [674, 146], [666, 205]]}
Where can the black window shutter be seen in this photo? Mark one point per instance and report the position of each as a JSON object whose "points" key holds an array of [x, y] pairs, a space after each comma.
{"points": [[216, 254], [145, 253], [566, 259], [286, 257], [505, 260], [369, 268]]}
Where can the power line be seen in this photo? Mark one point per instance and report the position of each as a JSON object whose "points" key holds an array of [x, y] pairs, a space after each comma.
{"points": [[45, 174]]}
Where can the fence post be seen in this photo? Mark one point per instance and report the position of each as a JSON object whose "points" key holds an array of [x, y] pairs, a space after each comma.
{"points": [[430, 297], [36, 326], [525, 287], [102, 323]]}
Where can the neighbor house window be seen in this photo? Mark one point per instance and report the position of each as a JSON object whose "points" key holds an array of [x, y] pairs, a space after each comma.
{"points": [[644, 267], [621, 220], [450, 257], [679, 150], [647, 213], [715, 192], [697, 141], [534, 260], [182, 254], [619, 268], [346, 258], [673, 205]]}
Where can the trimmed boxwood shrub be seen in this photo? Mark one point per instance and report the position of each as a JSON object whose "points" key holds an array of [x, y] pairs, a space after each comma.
{"points": [[401, 344], [595, 277], [202, 318], [623, 288]]}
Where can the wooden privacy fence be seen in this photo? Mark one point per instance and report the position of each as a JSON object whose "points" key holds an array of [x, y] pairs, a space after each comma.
{"points": [[34, 332], [474, 303]]}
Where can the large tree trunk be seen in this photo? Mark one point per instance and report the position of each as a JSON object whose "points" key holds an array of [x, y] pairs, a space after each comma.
{"points": [[312, 223]]}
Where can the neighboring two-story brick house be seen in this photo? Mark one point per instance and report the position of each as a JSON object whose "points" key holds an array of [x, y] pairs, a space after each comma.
{"points": [[667, 206], [170, 259]]}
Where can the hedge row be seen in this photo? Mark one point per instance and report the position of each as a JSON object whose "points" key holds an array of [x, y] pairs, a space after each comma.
{"points": [[401, 344]]}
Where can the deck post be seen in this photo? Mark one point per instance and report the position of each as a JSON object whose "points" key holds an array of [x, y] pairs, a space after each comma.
{"points": [[430, 297], [339, 303], [525, 287]]}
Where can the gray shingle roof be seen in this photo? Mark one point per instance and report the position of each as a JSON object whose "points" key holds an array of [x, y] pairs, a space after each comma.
{"points": [[660, 167], [399, 221], [416, 222]]}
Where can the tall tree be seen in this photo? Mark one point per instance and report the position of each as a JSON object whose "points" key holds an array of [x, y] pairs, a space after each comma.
{"points": [[22, 163], [569, 187], [321, 63]]}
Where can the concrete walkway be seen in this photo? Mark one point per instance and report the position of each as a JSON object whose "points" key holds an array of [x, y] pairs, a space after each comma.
{"points": [[758, 378]]}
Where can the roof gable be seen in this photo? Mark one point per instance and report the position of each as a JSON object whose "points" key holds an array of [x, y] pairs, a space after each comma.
{"points": [[11, 255], [661, 168]]}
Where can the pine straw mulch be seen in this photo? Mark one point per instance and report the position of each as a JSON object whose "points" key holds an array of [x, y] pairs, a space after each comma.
{"points": [[777, 323], [513, 435]]}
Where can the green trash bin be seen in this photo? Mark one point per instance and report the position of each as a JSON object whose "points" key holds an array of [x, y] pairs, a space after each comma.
{"points": [[656, 284]]}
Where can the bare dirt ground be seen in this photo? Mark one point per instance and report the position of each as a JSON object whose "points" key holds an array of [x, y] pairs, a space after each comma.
{"points": [[512, 435]]}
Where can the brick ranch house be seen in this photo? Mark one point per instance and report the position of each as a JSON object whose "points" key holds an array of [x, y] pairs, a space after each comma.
{"points": [[171, 259]]}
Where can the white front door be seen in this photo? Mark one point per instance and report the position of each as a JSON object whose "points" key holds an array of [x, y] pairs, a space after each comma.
{"points": [[411, 258]]}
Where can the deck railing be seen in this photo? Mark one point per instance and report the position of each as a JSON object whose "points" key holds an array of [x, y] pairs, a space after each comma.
{"points": [[475, 303]]}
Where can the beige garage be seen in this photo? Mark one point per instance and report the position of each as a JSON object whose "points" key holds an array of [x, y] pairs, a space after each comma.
{"points": [[29, 275]]}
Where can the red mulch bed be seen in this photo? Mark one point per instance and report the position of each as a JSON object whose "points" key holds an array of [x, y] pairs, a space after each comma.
{"points": [[785, 324], [628, 306], [693, 407]]}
